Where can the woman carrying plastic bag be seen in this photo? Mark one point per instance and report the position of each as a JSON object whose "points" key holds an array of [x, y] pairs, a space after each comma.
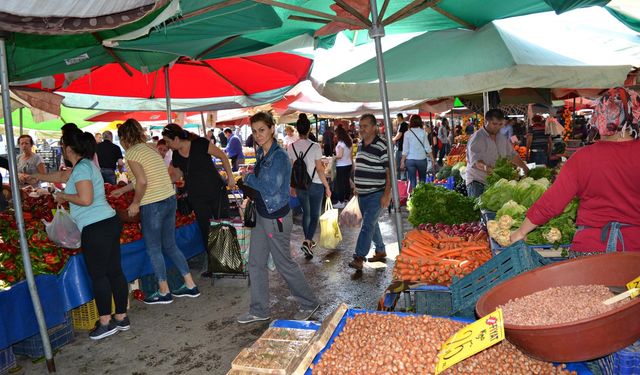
{"points": [[330, 235]]}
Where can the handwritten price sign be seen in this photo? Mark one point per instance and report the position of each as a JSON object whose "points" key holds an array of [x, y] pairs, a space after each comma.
{"points": [[634, 284], [471, 339]]}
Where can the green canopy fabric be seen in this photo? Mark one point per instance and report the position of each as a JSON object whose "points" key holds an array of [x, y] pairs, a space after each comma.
{"points": [[67, 114], [219, 28], [492, 58]]}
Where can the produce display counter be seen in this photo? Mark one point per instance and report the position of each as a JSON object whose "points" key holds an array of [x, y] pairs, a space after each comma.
{"points": [[579, 368], [72, 287]]}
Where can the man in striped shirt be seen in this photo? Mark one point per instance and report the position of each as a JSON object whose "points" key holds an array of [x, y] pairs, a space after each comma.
{"points": [[373, 188]]}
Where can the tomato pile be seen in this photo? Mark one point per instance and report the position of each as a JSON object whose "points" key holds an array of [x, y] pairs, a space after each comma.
{"points": [[47, 257]]}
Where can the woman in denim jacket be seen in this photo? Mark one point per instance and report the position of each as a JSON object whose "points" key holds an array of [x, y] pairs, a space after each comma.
{"points": [[268, 187]]}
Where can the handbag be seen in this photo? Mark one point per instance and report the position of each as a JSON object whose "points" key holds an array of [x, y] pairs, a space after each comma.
{"points": [[250, 214], [223, 249]]}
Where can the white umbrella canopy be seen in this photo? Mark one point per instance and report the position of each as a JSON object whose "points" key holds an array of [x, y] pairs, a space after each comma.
{"points": [[504, 54]]}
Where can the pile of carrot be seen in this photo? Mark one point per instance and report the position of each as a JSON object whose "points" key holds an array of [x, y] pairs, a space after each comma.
{"points": [[436, 259]]}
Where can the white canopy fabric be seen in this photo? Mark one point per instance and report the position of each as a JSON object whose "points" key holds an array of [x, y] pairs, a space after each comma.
{"points": [[513, 54], [70, 8]]}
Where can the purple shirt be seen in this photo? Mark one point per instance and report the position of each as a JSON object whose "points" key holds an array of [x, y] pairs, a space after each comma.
{"points": [[234, 148]]}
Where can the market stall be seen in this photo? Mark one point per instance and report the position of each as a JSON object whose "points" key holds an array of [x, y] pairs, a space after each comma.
{"points": [[62, 278]]}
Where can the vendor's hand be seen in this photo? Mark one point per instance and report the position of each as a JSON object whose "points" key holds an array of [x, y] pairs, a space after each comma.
{"points": [[31, 180], [22, 177], [385, 200], [516, 236], [134, 209], [59, 198], [489, 169], [116, 193]]}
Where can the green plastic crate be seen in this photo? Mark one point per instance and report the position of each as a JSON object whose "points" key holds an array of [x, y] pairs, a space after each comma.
{"points": [[433, 300], [510, 262]]}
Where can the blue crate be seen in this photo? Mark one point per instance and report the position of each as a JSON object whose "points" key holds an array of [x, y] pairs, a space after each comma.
{"points": [[623, 362], [510, 262], [432, 300], [7, 360], [487, 215], [59, 336], [449, 185]]}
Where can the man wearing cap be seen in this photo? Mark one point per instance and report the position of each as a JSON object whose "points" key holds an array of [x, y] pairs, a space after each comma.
{"points": [[485, 147]]}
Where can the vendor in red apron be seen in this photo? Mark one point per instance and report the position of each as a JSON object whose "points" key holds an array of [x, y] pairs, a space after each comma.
{"points": [[605, 177]]}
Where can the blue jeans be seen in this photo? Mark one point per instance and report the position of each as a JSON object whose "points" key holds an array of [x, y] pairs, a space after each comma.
{"points": [[108, 175], [398, 156], [419, 166], [311, 201], [159, 234], [475, 189], [370, 231]]}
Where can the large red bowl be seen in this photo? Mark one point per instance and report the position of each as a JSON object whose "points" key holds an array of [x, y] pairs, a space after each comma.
{"points": [[581, 340]]}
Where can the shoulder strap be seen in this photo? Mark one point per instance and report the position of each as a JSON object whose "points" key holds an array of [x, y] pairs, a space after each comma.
{"points": [[305, 155], [415, 135]]}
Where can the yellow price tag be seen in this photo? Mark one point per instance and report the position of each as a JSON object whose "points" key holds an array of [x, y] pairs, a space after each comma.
{"points": [[471, 339], [634, 284]]}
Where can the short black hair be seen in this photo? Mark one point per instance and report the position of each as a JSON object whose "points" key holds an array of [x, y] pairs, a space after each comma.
{"points": [[227, 130], [494, 113], [370, 117]]}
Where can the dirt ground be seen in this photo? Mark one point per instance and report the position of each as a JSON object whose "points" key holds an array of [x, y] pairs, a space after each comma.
{"points": [[201, 336]]}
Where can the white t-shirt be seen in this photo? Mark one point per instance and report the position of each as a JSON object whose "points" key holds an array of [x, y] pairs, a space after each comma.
{"points": [[315, 153], [345, 160]]}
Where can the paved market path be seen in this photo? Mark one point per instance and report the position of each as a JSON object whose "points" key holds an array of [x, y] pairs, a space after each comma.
{"points": [[200, 336]]}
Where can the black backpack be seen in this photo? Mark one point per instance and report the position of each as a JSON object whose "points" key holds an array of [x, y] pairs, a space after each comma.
{"points": [[299, 176]]}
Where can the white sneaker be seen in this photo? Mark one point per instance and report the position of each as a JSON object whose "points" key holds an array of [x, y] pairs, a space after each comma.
{"points": [[339, 205]]}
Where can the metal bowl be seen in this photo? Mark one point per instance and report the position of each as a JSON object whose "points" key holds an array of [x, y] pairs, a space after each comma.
{"points": [[581, 340]]}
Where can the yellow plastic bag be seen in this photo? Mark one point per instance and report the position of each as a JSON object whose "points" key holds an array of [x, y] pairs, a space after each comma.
{"points": [[330, 235]]}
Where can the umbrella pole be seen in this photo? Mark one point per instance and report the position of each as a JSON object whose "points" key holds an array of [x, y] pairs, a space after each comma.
{"points": [[376, 33], [17, 205], [204, 125], [167, 93], [21, 127], [485, 102]]}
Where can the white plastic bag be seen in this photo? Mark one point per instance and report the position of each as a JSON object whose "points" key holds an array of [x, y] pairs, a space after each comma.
{"points": [[330, 235], [62, 230], [351, 217]]}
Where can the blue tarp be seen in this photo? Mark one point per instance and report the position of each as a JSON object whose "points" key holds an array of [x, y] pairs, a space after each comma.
{"points": [[72, 287]]}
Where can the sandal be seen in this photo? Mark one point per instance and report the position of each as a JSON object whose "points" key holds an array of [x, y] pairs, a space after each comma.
{"points": [[306, 249]]}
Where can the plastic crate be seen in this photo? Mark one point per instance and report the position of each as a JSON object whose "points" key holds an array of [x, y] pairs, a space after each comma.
{"points": [[7, 360], [84, 317], [449, 185], [550, 252], [59, 336], [487, 215], [433, 300], [509, 263], [623, 362]]}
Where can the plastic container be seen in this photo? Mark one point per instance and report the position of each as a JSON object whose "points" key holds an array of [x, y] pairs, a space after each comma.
{"points": [[553, 253], [84, 317], [449, 185], [433, 300], [584, 339], [7, 360], [509, 263], [59, 336]]}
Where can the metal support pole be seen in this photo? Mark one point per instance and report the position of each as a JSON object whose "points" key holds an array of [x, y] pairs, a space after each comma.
{"points": [[376, 33], [574, 107], [485, 102], [204, 125], [21, 121], [167, 92], [17, 205]]}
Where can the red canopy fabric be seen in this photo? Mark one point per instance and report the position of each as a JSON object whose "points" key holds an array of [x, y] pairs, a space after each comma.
{"points": [[138, 115], [189, 79]]}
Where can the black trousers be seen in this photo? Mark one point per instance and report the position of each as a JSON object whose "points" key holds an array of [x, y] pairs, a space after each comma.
{"points": [[342, 185], [207, 207], [101, 250]]}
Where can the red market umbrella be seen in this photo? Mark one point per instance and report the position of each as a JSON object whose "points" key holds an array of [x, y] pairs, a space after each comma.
{"points": [[138, 115], [206, 85]]}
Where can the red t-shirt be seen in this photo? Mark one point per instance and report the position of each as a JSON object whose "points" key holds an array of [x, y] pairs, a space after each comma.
{"points": [[606, 178]]}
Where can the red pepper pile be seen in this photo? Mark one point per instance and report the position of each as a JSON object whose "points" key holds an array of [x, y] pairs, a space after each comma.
{"points": [[47, 257]]}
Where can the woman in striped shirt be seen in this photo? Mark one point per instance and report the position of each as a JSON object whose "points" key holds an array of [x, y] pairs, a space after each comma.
{"points": [[155, 199]]}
